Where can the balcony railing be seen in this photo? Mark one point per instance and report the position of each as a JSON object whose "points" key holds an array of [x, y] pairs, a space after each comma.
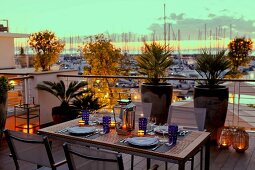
{"points": [[241, 108]]}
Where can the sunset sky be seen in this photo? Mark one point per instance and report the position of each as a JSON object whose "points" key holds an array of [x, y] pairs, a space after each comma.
{"points": [[85, 17]]}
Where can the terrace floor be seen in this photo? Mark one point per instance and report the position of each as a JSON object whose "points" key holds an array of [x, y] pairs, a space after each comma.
{"points": [[219, 160]]}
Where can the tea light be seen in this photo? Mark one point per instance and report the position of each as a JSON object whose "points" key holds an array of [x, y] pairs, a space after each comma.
{"points": [[140, 132], [112, 124], [81, 122], [124, 127]]}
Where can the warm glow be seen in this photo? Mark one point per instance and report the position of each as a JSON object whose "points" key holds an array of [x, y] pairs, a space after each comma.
{"points": [[112, 124], [140, 132], [12, 82], [31, 130], [124, 127], [81, 122]]}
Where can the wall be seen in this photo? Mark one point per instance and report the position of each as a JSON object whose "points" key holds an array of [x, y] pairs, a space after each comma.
{"points": [[45, 99], [6, 52]]}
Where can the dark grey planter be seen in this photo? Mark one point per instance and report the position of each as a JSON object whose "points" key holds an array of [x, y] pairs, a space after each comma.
{"points": [[160, 96], [63, 114], [215, 100]]}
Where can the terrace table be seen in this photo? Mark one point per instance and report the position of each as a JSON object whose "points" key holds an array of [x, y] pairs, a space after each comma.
{"points": [[185, 148]]}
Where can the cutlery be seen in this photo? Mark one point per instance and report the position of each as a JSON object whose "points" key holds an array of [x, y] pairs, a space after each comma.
{"points": [[92, 134], [156, 147]]}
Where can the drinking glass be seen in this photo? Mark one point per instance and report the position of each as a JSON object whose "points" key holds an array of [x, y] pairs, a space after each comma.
{"points": [[106, 124], [172, 134]]}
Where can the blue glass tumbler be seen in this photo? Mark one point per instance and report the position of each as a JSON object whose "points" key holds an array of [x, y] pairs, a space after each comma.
{"points": [[172, 134], [142, 124], [85, 116], [106, 124]]}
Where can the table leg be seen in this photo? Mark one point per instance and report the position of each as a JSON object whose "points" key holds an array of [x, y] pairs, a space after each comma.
{"points": [[207, 154], [181, 165], [148, 163]]}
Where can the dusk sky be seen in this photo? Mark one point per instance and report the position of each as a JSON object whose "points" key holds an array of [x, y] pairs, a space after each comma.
{"points": [[86, 17]]}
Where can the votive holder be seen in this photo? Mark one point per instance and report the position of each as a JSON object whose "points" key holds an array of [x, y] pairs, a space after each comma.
{"points": [[140, 133], [81, 123], [172, 134], [106, 124], [143, 124], [85, 116]]}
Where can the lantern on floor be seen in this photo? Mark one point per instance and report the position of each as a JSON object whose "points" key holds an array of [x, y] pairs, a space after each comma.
{"points": [[240, 140], [225, 138]]}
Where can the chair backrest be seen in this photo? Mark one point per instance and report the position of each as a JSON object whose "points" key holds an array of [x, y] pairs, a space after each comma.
{"points": [[188, 117], [81, 157], [146, 109], [29, 147]]}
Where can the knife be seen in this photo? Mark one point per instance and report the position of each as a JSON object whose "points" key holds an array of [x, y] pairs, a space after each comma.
{"points": [[156, 147]]}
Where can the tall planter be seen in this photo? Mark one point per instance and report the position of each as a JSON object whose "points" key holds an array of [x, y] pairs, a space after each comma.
{"points": [[63, 114], [3, 111], [215, 100], [160, 96]]}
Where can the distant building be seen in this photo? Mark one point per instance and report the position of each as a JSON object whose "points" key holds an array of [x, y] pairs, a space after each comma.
{"points": [[7, 50]]}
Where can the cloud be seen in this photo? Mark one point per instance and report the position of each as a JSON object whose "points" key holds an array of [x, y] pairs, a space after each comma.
{"points": [[194, 28]]}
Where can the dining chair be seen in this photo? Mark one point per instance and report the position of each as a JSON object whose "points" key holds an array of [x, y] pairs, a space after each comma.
{"points": [[189, 118], [146, 111], [32, 148], [82, 157]]}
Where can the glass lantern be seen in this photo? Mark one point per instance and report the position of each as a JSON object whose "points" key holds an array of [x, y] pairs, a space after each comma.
{"points": [[225, 138], [240, 140]]}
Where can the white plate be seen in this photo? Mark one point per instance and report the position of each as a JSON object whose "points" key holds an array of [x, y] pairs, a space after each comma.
{"points": [[161, 129], [143, 141], [81, 130]]}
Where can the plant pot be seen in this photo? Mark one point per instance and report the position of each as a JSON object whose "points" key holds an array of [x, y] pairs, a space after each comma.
{"points": [[160, 96], [215, 100], [63, 114], [3, 112]]}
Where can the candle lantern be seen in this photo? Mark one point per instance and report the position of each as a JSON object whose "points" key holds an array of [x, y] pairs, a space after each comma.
{"points": [[240, 140], [128, 119], [225, 138]]}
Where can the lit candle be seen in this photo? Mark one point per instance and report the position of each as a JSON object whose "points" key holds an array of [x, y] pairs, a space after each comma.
{"points": [[113, 123], [140, 132], [124, 127], [81, 122]]}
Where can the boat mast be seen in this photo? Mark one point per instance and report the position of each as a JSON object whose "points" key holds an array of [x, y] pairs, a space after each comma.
{"points": [[165, 24]]}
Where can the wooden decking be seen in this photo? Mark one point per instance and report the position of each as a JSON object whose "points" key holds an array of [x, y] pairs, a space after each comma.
{"points": [[220, 159]]}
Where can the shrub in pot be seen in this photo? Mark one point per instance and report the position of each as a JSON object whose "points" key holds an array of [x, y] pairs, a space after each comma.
{"points": [[65, 111], [5, 86], [153, 63], [209, 93]]}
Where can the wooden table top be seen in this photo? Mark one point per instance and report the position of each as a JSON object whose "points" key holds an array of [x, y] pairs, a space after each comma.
{"points": [[184, 149]]}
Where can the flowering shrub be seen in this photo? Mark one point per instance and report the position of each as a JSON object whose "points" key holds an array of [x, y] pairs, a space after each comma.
{"points": [[47, 48]]}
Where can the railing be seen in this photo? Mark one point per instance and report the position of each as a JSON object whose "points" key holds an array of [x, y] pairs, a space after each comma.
{"points": [[241, 108]]}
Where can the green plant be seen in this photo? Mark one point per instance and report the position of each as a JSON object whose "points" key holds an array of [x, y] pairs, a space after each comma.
{"points": [[4, 86], [154, 62], [88, 101], [212, 67], [65, 95]]}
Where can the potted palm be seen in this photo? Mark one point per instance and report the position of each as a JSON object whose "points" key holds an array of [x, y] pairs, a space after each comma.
{"points": [[209, 93], [154, 62], [5, 86], [65, 111]]}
